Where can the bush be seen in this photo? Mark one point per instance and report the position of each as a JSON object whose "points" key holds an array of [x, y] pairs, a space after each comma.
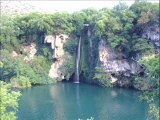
{"points": [[23, 81], [9, 102], [68, 66], [151, 94], [7, 69], [102, 77], [41, 68], [141, 45], [70, 46], [46, 52], [151, 65], [36, 70], [153, 113]]}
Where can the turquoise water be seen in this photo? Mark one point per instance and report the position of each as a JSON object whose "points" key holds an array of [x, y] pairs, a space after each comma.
{"points": [[69, 101]]}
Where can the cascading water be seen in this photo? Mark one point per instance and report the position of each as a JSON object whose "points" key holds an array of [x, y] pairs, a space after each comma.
{"points": [[76, 79]]}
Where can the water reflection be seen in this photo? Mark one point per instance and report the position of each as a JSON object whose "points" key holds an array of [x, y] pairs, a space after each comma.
{"points": [[68, 101], [58, 102], [77, 96], [113, 93]]}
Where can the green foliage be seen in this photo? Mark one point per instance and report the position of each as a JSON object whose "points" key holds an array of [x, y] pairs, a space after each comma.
{"points": [[151, 81], [118, 42], [35, 70], [141, 45], [70, 46], [121, 6], [120, 25], [89, 58], [102, 77], [153, 113], [46, 52], [115, 26], [151, 64], [139, 83], [41, 67], [34, 25], [31, 26], [107, 23], [9, 102], [8, 34], [146, 12], [84, 62], [23, 81], [62, 23], [78, 19], [8, 69], [68, 66]]}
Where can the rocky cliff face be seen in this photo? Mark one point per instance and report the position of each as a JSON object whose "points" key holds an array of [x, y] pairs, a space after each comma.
{"points": [[114, 65], [29, 52], [112, 62], [57, 42], [152, 33], [119, 69]]}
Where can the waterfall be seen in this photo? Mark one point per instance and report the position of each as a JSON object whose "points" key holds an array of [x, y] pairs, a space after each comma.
{"points": [[76, 79]]}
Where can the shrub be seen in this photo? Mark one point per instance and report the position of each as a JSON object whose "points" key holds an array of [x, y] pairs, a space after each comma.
{"points": [[70, 46], [102, 77], [23, 81], [68, 66], [9, 102]]}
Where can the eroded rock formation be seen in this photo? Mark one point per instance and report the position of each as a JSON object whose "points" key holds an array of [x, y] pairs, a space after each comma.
{"points": [[30, 50], [152, 33], [57, 42], [114, 64], [110, 60]]}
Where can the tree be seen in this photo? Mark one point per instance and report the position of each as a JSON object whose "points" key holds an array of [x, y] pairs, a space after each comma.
{"points": [[121, 6], [68, 66], [8, 34], [70, 46], [78, 19], [141, 46], [9, 102], [62, 23], [151, 65], [147, 13]]}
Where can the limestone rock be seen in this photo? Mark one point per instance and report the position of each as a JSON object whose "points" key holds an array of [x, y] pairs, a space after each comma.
{"points": [[109, 60], [57, 42], [31, 51], [113, 79], [14, 54], [116, 66], [152, 33]]}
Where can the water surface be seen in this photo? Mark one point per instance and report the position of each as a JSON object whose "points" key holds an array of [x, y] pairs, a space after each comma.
{"points": [[69, 101]]}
